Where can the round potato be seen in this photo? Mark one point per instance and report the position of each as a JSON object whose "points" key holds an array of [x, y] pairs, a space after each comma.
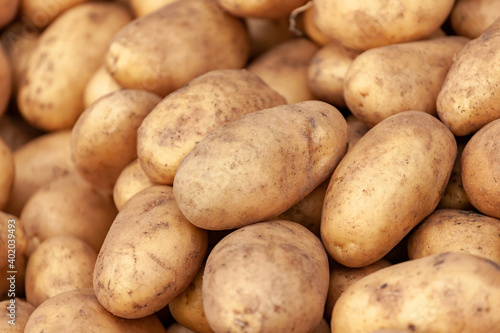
{"points": [[7, 173], [130, 181], [143, 7], [100, 84], [15, 313], [470, 18], [8, 11], [5, 80], [260, 8], [259, 277]]}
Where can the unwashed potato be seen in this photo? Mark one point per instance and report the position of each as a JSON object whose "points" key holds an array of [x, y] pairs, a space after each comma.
{"points": [[8, 11], [256, 167], [470, 18], [445, 293], [385, 185], [80, 310], [266, 277], [264, 34], [284, 68], [104, 138], [364, 25], [203, 36], [100, 84], [67, 54], [270, 9], [58, 264], [5, 80], [15, 313], [130, 181], [40, 13], [6, 174], [137, 276], [386, 80], [187, 115]]}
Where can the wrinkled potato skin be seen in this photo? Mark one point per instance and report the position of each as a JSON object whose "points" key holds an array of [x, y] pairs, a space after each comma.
{"points": [[40, 13], [470, 18], [394, 78], [132, 180], [260, 276], [481, 169], [256, 167], [23, 311], [396, 175], [5, 80], [7, 168], [143, 7], [135, 276], [101, 83], [424, 295], [260, 8]]}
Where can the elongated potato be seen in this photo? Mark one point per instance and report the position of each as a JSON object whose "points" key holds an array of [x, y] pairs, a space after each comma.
{"points": [[470, 18], [385, 185], [101, 83], [130, 181], [7, 170], [5, 80], [270, 9], [17, 311], [256, 167], [136, 276], [51, 93]]}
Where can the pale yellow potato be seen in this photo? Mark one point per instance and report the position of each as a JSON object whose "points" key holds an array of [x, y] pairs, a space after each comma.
{"points": [[101, 83], [258, 166], [386, 80], [131, 180], [143, 7], [13, 240], [364, 25], [203, 36], [470, 18], [80, 310], [7, 170], [5, 80], [15, 131], [187, 115], [136, 276], [468, 99], [264, 34], [481, 169], [104, 138], [269, 9], [284, 68], [40, 13], [312, 30], [15, 311], [442, 293], [68, 206], [385, 185], [8, 11], [68, 52], [12, 284], [356, 129]]}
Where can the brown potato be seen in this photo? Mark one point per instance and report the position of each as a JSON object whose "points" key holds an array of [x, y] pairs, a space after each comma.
{"points": [[131, 180], [5, 80], [143, 7], [260, 8], [470, 18], [101, 83], [40, 13], [17, 311], [6, 174], [8, 11]]}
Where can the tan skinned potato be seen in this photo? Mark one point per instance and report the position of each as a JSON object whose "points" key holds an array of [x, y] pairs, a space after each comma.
{"points": [[470, 18], [131, 180]]}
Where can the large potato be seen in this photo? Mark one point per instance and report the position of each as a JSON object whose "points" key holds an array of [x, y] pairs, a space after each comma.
{"points": [[266, 277], [15, 313], [5, 80], [445, 293], [7, 170], [137, 276], [162, 51], [8, 11], [270, 9], [187, 115], [68, 52], [385, 185], [256, 167], [101, 83], [130, 181], [470, 18]]}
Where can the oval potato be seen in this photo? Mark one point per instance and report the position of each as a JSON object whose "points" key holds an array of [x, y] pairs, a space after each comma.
{"points": [[470, 18]]}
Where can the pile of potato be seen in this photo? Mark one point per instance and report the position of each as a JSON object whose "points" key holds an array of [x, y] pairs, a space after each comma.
{"points": [[250, 166]]}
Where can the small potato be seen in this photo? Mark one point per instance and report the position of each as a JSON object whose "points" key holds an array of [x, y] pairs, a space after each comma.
{"points": [[8, 11], [40, 13], [356, 129], [5, 80], [15, 313], [104, 139], [445, 293], [143, 7], [270, 9], [137, 276], [385, 185], [131, 180], [258, 166], [260, 277], [6, 174], [100, 84], [284, 68], [80, 310], [58, 264], [264, 34], [470, 18]]}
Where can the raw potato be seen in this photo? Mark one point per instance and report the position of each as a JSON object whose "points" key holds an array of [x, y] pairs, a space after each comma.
{"points": [[203, 36], [363, 25], [5, 80], [100, 84], [58, 264], [80, 310], [394, 78], [137, 276], [270, 9], [385, 185], [284, 68], [256, 167], [260, 277], [7, 170], [481, 169], [17, 311], [8, 11], [445, 293], [143, 7], [264, 34], [470, 18], [40, 13], [468, 99], [51, 93], [104, 139], [187, 115], [132, 180]]}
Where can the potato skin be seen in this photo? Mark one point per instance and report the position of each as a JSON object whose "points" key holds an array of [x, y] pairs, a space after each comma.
{"points": [[101, 83], [137, 276], [131, 180], [396, 175], [256, 167], [7, 168], [40, 13], [424, 295], [23, 311], [470, 18], [260, 276]]}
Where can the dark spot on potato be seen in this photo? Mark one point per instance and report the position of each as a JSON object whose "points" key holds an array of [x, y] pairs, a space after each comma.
{"points": [[383, 286], [411, 327]]}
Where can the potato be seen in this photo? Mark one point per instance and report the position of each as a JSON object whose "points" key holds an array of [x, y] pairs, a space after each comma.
{"points": [[327, 71], [447, 292], [364, 25], [284, 68], [187, 115], [259, 277], [7, 173], [143, 7], [104, 139], [5, 80], [37, 163], [480, 169], [80, 310], [51, 93], [394, 78], [101, 83], [58, 264], [8, 11], [40, 13], [312, 30], [385, 185], [202, 35], [355, 129], [264, 34], [470, 18], [468, 98], [68, 206], [270, 9], [130, 181], [17, 311], [137, 276], [12, 284], [256, 167]]}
